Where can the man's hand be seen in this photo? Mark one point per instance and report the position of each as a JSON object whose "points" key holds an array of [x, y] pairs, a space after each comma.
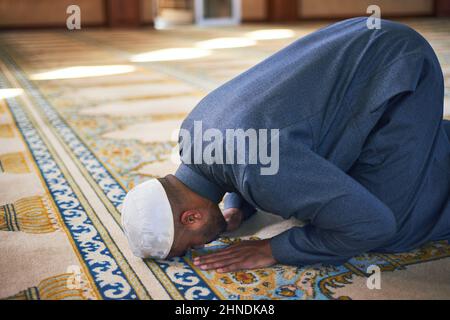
{"points": [[243, 255], [233, 217]]}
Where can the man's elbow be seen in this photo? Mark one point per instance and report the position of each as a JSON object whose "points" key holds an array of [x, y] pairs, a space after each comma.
{"points": [[369, 219], [375, 229], [370, 237], [380, 230]]}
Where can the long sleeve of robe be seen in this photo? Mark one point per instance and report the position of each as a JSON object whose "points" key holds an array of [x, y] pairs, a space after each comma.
{"points": [[234, 200], [364, 156]]}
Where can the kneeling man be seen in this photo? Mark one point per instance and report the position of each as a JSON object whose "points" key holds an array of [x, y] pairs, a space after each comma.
{"points": [[349, 137]]}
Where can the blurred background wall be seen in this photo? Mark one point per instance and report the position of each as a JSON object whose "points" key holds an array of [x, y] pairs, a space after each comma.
{"points": [[344, 8], [51, 13], [23, 13]]}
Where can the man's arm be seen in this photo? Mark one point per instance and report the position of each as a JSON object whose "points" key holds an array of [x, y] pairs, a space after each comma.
{"points": [[236, 210], [234, 200], [345, 218]]}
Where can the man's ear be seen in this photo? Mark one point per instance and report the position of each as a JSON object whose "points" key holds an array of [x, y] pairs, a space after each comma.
{"points": [[193, 218]]}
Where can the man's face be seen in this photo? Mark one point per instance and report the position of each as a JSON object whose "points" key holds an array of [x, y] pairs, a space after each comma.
{"points": [[207, 229]]}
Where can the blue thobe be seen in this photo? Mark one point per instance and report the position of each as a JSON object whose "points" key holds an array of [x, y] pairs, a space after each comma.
{"points": [[364, 155]]}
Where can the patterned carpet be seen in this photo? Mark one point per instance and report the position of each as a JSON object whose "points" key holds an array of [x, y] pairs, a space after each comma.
{"points": [[75, 136]]}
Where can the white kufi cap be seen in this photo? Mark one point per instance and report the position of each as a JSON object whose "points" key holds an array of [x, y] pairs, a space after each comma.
{"points": [[147, 220]]}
